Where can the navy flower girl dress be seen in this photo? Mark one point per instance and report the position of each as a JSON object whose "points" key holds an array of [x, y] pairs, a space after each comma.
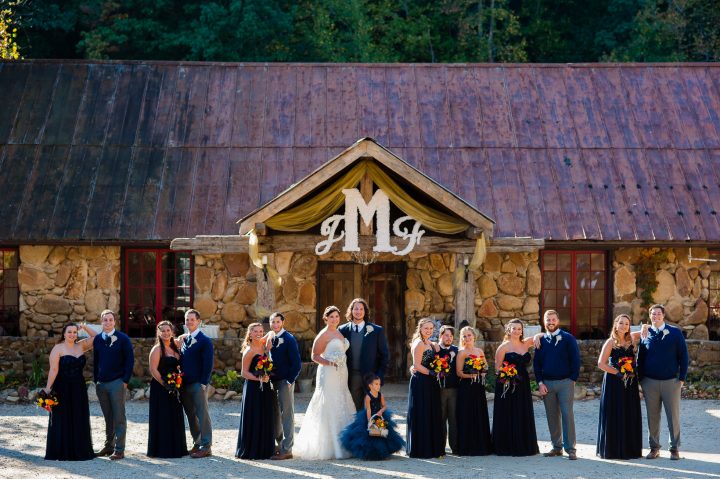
{"points": [[356, 439]]}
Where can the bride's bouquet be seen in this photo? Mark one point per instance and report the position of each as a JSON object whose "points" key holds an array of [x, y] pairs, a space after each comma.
{"points": [[337, 357], [263, 367]]}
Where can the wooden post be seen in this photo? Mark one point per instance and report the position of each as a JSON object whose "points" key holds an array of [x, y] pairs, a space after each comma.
{"points": [[265, 301], [464, 292], [366, 190]]}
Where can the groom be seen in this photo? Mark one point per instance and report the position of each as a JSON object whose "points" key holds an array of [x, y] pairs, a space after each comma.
{"points": [[368, 352]]}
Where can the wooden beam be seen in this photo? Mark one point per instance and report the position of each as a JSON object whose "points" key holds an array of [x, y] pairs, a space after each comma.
{"points": [[366, 190], [261, 229], [295, 242]]}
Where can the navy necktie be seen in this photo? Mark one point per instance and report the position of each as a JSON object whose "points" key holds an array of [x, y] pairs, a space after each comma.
{"points": [[187, 341]]}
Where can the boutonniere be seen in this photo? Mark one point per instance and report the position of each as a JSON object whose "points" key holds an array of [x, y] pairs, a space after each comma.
{"points": [[452, 355], [665, 333], [369, 329], [113, 338], [558, 338], [279, 341]]}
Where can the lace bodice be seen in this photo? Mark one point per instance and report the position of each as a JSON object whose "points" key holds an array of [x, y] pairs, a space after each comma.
{"points": [[335, 350], [71, 367]]}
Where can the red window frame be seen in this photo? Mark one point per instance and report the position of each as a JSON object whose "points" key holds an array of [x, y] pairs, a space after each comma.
{"points": [[142, 318], [598, 329], [9, 311]]}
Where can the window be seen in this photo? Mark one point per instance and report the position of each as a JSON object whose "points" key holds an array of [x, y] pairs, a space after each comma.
{"points": [[713, 322], [158, 287], [9, 299], [574, 283]]}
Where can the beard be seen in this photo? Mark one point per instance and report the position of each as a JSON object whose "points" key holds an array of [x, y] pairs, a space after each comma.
{"points": [[551, 329]]}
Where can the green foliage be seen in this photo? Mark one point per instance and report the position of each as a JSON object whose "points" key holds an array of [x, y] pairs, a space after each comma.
{"points": [[371, 30], [37, 375], [231, 381], [645, 273], [8, 31], [136, 383], [490, 381]]}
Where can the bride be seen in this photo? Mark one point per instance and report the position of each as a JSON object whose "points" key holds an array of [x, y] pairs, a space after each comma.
{"points": [[331, 407]]}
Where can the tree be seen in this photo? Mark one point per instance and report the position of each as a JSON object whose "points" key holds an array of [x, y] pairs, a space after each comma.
{"points": [[8, 33]]}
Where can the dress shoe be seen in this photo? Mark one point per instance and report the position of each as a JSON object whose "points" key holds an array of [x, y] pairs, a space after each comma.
{"points": [[553, 453], [572, 456], [282, 456], [105, 451], [116, 456], [654, 454], [674, 455], [201, 453], [194, 450]]}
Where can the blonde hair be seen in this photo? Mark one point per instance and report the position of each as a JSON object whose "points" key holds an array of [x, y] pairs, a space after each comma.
{"points": [[510, 323], [420, 324], [247, 340], [615, 336], [551, 312], [468, 329]]}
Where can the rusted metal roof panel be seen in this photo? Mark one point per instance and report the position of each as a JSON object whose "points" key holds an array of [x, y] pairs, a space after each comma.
{"points": [[150, 151]]}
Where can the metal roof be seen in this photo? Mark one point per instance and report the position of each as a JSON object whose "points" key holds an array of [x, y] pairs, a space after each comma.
{"points": [[143, 151]]}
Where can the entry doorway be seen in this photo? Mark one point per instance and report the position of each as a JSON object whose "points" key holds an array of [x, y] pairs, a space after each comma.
{"points": [[382, 286]]}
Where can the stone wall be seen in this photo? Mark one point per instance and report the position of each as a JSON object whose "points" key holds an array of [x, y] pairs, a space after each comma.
{"points": [[66, 283], [682, 288], [18, 354]]}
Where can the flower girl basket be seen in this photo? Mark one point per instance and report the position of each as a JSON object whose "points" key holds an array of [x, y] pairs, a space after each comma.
{"points": [[374, 429]]}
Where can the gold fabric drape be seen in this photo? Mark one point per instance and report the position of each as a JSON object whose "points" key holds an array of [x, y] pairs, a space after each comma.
{"points": [[310, 213]]}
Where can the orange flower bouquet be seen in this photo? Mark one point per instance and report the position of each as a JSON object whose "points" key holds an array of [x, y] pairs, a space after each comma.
{"points": [[173, 382], [508, 376], [47, 401], [627, 371], [440, 367], [263, 367], [475, 364]]}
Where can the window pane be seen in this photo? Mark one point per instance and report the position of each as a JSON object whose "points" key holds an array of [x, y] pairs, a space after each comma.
{"points": [[549, 299], [598, 298], [549, 280], [582, 298], [549, 262], [564, 262], [597, 261], [148, 260], [583, 280], [582, 262], [563, 299], [598, 280], [10, 259], [563, 281]]}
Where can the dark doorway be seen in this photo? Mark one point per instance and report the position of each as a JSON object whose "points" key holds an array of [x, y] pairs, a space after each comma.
{"points": [[382, 285]]}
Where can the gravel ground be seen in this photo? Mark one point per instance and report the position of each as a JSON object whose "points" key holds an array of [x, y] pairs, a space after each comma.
{"points": [[23, 427]]}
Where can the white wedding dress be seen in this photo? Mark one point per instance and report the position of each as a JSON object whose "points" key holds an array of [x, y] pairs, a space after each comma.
{"points": [[330, 410]]}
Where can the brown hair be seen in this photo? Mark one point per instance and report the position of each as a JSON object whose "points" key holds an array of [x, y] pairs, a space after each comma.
{"points": [[510, 323], [108, 311], [193, 311], [348, 313], [173, 346], [247, 340], [328, 311], [446, 327], [615, 336], [657, 306], [550, 312], [420, 324], [62, 334]]}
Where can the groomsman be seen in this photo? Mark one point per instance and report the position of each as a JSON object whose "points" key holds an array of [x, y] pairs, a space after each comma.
{"points": [[113, 362], [448, 393], [197, 359], [285, 356], [662, 368], [557, 367], [368, 352]]}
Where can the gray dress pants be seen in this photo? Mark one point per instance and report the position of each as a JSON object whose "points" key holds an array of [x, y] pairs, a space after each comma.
{"points": [[111, 396], [559, 410]]}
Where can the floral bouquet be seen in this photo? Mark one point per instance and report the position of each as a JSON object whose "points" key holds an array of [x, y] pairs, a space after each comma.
{"points": [[475, 364], [173, 382], [337, 357], [377, 426], [440, 367], [625, 366], [508, 376], [47, 401], [263, 367]]}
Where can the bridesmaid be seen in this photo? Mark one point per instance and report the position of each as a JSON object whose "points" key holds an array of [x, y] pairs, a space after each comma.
{"points": [[166, 435], [620, 425], [472, 414], [424, 417], [256, 438], [68, 437], [513, 428]]}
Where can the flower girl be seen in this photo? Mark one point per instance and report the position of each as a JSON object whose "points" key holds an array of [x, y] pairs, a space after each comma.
{"points": [[372, 435]]}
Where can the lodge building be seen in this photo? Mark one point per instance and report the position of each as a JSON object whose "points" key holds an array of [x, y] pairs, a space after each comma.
{"points": [[475, 193]]}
